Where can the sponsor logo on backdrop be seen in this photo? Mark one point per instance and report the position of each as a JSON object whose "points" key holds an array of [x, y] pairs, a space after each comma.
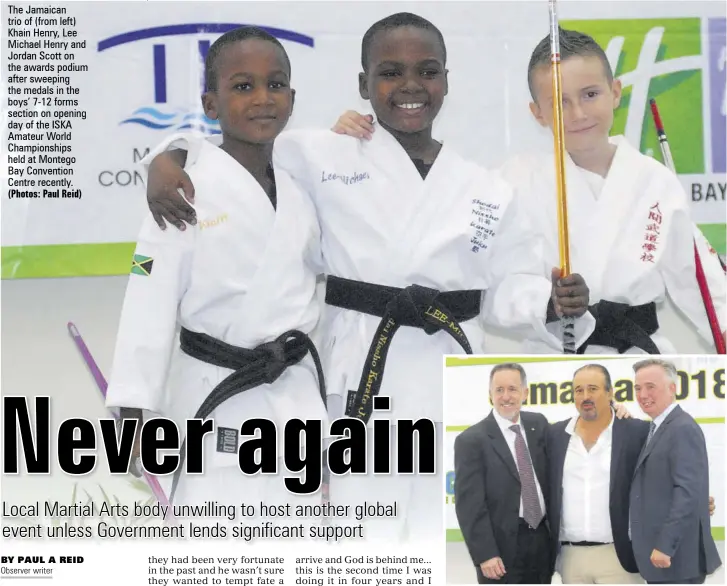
{"points": [[680, 62], [166, 95]]}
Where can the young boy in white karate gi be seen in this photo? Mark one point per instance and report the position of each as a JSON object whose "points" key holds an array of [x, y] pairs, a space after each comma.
{"points": [[240, 287], [635, 206], [412, 236], [631, 233]]}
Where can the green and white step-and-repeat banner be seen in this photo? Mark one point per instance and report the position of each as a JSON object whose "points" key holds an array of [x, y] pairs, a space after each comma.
{"points": [[120, 76], [700, 392]]}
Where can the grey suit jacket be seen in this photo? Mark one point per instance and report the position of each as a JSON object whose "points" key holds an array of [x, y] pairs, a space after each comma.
{"points": [[669, 502]]}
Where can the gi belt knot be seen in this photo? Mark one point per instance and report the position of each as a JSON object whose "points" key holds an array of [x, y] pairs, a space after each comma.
{"points": [[622, 326], [251, 368], [275, 361], [412, 304]]}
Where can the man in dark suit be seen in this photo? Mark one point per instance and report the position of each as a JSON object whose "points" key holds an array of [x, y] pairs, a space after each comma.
{"points": [[501, 486], [669, 499], [588, 516]]}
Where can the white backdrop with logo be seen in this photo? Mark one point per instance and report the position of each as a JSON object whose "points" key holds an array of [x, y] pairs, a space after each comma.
{"points": [[700, 393], [144, 81]]}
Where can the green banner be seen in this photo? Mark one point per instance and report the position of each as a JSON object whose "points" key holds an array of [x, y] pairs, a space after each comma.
{"points": [[67, 260]]}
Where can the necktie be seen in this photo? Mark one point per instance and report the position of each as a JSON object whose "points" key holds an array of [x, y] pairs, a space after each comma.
{"points": [[652, 431], [532, 513]]}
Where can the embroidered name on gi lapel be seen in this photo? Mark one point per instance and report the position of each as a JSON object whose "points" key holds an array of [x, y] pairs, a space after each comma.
{"points": [[212, 223], [356, 177], [486, 217], [141, 265]]}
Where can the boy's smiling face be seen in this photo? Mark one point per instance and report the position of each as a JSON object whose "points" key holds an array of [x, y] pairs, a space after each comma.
{"points": [[253, 99], [589, 100], [406, 80]]}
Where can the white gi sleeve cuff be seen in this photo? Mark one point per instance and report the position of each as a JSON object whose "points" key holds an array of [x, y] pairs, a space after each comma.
{"points": [[517, 302], [122, 396], [179, 140], [192, 142]]}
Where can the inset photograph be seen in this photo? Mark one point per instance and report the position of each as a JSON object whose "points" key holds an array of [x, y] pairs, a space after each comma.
{"points": [[585, 470]]}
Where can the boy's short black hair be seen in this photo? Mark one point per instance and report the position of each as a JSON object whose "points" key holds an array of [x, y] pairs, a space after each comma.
{"points": [[400, 19], [235, 35], [572, 44]]}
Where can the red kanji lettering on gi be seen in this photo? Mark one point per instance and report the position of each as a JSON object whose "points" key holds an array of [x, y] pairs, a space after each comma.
{"points": [[653, 228], [656, 207], [651, 237], [656, 217], [647, 257], [649, 247]]}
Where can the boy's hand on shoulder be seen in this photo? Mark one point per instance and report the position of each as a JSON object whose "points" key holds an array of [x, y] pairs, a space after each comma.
{"points": [[166, 179], [351, 123]]}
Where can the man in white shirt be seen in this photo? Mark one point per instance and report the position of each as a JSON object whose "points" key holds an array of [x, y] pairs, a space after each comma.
{"points": [[592, 458], [494, 481]]}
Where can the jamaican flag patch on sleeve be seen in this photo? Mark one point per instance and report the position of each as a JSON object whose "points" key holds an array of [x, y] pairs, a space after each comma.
{"points": [[141, 265]]}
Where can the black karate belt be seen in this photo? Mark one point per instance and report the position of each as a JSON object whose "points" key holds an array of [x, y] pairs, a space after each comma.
{"points": [[414, 306], [261, 365], [622, 326]]}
